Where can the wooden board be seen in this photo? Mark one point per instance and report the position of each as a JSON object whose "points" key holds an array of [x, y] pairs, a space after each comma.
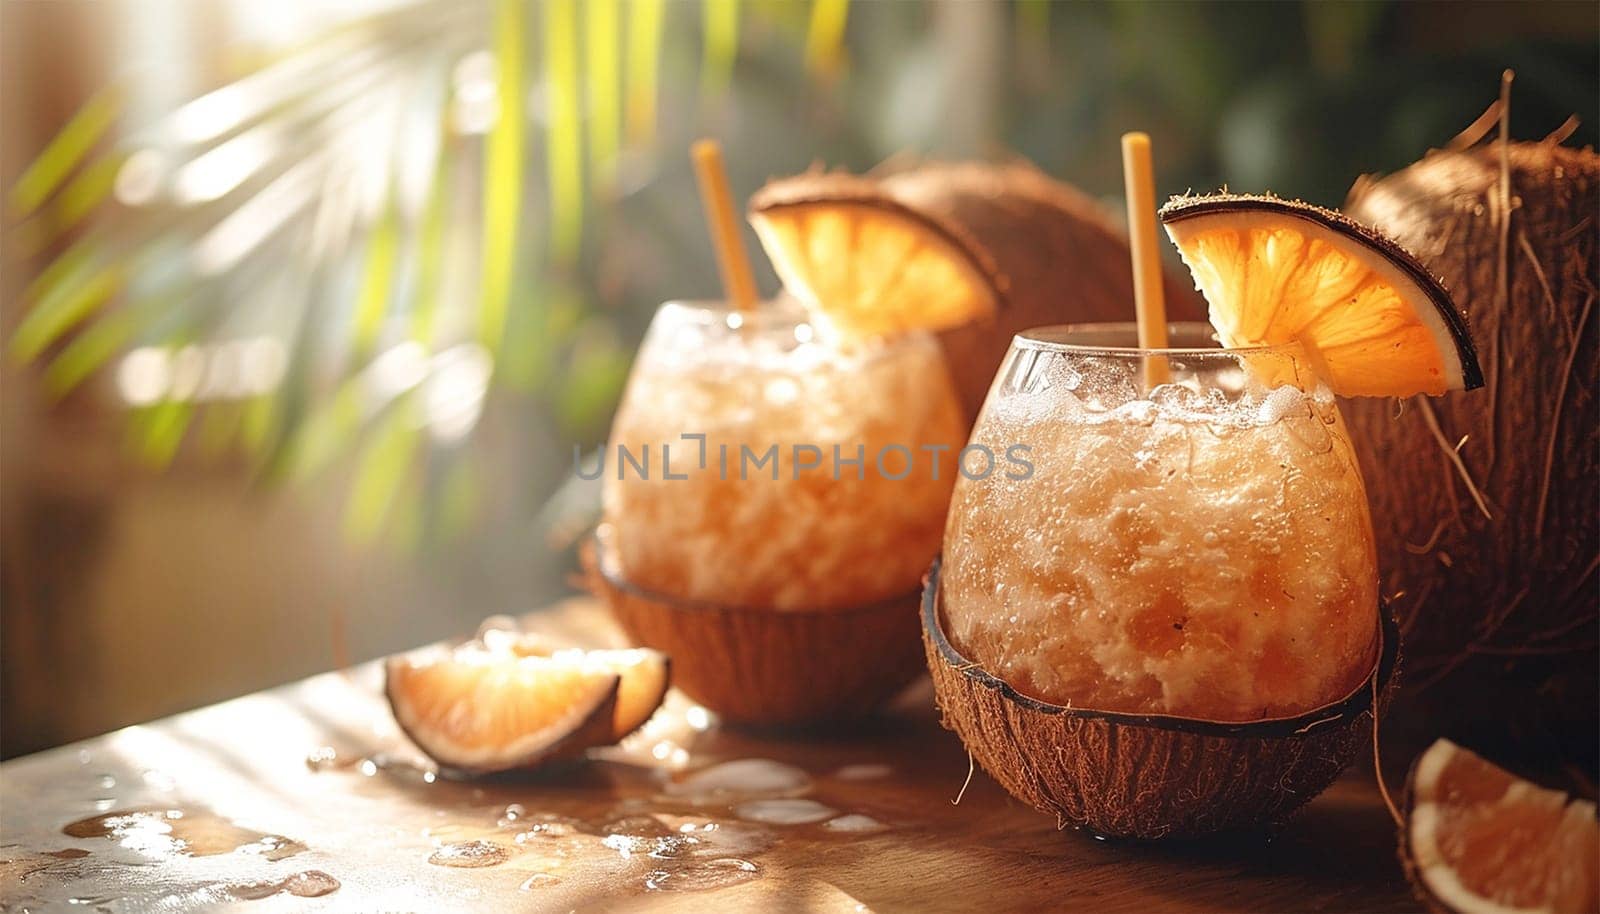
{"points": [[622, 832]]}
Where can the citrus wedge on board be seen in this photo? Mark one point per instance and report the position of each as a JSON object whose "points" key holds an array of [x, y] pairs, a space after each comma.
{"points": [[644, 674], [1369, 315], [507, 701], [1478, 839]]}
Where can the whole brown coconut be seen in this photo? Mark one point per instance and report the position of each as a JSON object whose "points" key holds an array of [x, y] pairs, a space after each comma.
{"points": [[1485, 506], [767, 666], [1148, 776], [1041, 251]]}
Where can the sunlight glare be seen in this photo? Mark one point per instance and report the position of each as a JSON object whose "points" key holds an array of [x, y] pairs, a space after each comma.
{"points": [[144, 375], [453, 394]]}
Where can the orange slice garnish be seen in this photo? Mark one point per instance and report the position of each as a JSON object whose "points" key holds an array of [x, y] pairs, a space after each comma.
{"points": [[1369, 315]]}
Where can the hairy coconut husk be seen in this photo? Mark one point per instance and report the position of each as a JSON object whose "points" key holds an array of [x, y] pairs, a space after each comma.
{"points": [[767, 666], [1148, 776], [1048, 252], [1485, 506]]}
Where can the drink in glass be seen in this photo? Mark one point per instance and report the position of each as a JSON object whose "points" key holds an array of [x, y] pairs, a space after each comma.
{"points": [[1200, 549], [784, 473]]}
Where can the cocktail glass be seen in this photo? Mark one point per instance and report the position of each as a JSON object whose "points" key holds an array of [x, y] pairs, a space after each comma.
{"points": [[766, 478], [1202, 549]]}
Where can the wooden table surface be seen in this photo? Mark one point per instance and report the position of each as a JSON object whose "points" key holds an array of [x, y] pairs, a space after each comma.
{"points": [[92, 826]]}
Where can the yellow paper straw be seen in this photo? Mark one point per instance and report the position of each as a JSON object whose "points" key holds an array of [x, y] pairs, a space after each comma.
{"points": [[720, 217], [1149, 304]]}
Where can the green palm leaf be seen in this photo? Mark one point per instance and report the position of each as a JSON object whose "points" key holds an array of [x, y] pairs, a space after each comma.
{"points": [[299, 264]]}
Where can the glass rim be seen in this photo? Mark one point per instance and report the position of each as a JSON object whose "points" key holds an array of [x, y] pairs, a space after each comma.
{"points": [[782, 316], [1053, 338], [779, 311]]}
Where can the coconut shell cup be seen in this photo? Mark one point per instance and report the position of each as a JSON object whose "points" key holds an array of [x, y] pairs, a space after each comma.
{"points": [[759, 666], [1149, 776]]}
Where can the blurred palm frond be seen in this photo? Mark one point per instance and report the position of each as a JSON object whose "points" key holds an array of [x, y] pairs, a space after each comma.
{"points": [[342, 251]]}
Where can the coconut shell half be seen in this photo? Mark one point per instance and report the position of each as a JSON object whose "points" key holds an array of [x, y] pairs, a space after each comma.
{"points": [[1148, 776], [766, 666]]}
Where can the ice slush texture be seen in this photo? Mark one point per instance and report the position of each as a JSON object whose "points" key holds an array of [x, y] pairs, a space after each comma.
{"points": [[812, 542], [1193, 552]]}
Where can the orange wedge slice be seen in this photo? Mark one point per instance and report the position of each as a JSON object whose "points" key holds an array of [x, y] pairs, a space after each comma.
{"points": [[644, 674], [1478, 839], [1373, 320], [508, 701], [867, 263]]}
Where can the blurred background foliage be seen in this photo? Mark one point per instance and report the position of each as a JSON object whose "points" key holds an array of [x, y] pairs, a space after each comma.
{"points": [[306, 305]]}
